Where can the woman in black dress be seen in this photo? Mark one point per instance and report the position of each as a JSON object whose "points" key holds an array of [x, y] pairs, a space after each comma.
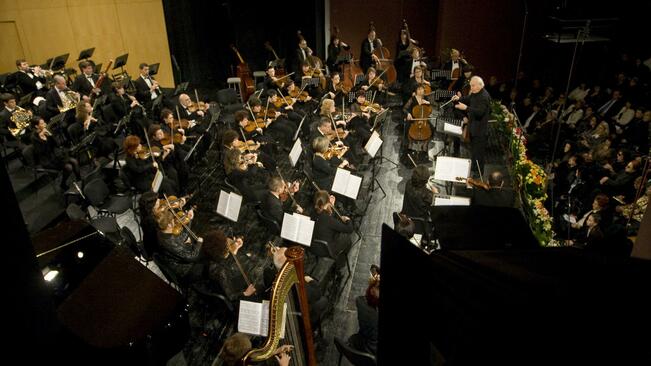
{"points": [[49, 155]]}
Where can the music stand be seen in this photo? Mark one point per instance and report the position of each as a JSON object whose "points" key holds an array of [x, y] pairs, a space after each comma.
{"points": [[59, 62], [25, 100], [120, 61], [86, 54], [98, 69], [153, 69], [47, 64], [181, 88]]}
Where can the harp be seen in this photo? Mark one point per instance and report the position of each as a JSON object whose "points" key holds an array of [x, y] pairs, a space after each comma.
{"points": [[288, 287]]}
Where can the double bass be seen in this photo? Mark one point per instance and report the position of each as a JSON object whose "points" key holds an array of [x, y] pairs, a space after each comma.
{"points": [[384, 63], [247, 85], [279, 64]]}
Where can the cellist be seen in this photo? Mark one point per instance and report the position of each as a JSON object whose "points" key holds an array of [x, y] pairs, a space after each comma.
{"points": [[417, 98], [456, 65]]}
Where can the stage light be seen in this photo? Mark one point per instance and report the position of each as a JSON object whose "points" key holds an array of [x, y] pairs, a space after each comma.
{"points": [[80, 255], [49, 274]]}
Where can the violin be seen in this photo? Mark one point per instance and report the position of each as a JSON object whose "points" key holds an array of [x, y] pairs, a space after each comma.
{"points": [[250, 146], [194, 106], [339, 134], [146, 153], [283, 101], [372, 107], [301, 96], [335, 151], [177, 138], [475, 183]]}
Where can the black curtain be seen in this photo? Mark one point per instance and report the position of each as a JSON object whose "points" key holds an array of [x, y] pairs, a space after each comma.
{"points": [[200, 34]]}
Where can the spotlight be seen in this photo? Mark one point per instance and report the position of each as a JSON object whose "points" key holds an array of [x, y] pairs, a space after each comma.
{"points": [[49, 274], [80, 255]]}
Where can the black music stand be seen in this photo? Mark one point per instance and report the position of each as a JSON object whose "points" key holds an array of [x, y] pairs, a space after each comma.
{"points": [[47, 64], [98, 69], [59, 62], [181, 88], [153, 69], [86, 54], [24, 101], [120, 61]]}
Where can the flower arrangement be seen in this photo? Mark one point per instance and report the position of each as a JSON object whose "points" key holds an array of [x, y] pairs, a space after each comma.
{"points": [[529, 178]]}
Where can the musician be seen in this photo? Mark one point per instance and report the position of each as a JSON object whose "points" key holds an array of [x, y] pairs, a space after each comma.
{"points": [[167, 121], [418, 98], [196, 116], [238, 345], [269, 82], [223, 269], [140, 169], [175, 168], [55, 96], [121, 102], [243, 172], [367, 58], [231, 140], [328, 227], [9, 102], [306, 73], [147, 89], [324, 170], [285, 109], [149, 208], [30, 79], [303, 52], [85, 83], [86, 124], [335, 48], [366, 338], [496, 195], [418, 196], [49, 155], [456, 65], [412, 61], [402, 61], [409, 87], [373, 84], [179, 252], [335, 88], [278, 126], [476, 106], [272, 202]]}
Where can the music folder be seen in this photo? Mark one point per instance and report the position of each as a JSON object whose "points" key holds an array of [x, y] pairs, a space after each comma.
{"points": [[447, 200], [295, 153], [297, 228], [158, 179], [253, 318], [373, 144], [229, 205], [451, 169], [346, 183]]}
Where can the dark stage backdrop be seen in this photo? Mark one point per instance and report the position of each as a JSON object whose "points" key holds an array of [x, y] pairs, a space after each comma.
{"points": [[200, 33]]}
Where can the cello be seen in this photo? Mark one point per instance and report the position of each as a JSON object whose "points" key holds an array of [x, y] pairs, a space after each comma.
{"points": [[384, 63], [247, 86], [420, 130]]}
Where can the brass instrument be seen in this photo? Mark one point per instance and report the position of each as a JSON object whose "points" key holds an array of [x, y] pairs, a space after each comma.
{"points": [[20, 118], [70, 101]]}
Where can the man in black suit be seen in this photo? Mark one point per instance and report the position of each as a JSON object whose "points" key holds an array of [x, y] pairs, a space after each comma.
{"points": [[30, 80], [54, 97], [272, 206], [457, 66], [303, 52], [147, 89], [477, 105], [496, 195], [9, 106], [367, 58], [86, 83], [612, 106]]}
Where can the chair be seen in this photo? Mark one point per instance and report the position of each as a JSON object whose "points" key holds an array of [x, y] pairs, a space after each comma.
{"points": [[169, 273], [109, 114], [355, 357], [29, 160], [76, 132], [106, 226], [228, 100], [234, 84], [97, 194], [258, 74], [270, 223], [320, 248]]}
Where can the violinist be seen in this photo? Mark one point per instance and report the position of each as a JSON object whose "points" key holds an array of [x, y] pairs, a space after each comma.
{"points": [[179, 251], [174, 166], [140, 169], [335, 49], [225, 271], [323, 128], [49, 155], [325, 167], [180, 138], [190, 111], [86, 125], [231, 140], [277, 125], [276, 200], [245, 174], [360, 107], [330, 227], [270, 80], [335, 89], [286, 107], [304, 74], [493, 194]]}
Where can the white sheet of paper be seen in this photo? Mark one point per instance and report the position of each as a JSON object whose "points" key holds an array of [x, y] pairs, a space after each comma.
{"points": [[452, 128], [295, 153], [451, 201], [222, 203], [249, 319], [346, 183], [449, 168], [158, 179], [234, 204], [373, 144], [289, 230], [305, 231]]}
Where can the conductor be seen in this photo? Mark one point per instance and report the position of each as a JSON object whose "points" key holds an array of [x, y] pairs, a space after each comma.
{"points": [[476, 106]]}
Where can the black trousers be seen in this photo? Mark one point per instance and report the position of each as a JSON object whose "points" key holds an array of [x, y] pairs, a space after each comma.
{"points": [[478, 152]]}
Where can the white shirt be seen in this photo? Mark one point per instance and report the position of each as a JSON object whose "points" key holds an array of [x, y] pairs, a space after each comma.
{"points": [[371, 43], [62, 95], [147, 79], [90, 80]]}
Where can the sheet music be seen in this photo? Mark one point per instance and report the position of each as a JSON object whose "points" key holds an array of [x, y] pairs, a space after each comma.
{"points": [[297, 228], [346, 183], [452, 128], [449, 168], [158, 179], [229, 205], [295, 153], [373, 144], [250, 318], [443, 200]]}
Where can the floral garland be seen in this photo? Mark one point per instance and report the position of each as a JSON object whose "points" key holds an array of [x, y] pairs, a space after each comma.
{"points": [[529, 178]]}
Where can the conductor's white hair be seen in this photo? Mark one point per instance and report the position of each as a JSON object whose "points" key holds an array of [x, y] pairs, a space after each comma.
{"points": [[59, 78], [478, 80]]}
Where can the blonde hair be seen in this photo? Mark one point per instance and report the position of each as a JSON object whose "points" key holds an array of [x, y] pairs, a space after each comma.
{"points": [[326, 105], [232, 160], [320, 144]]}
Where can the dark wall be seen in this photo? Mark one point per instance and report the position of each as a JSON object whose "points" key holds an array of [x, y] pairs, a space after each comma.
{"points": [[353, 18], [200, 34]]}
